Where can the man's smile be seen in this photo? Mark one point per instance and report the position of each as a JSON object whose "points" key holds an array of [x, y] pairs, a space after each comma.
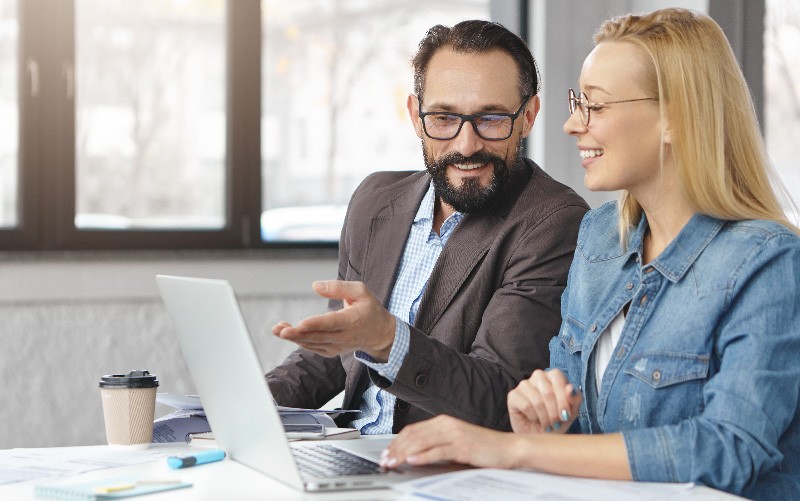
{"points": [[470, 166]]}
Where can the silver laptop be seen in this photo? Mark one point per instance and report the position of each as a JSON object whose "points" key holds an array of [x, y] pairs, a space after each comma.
{"points": [[228, 377]]}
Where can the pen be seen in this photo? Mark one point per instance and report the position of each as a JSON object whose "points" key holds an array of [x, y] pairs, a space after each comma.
{"points": [[197, 458]]}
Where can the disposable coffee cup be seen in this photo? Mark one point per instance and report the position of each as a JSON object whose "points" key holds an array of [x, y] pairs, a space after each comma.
{"points": [[129, 402]]}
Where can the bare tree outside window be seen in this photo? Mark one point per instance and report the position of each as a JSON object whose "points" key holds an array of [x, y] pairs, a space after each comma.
{"points": [[336, 74], [9, 112], [150, 113], [782, 90]]}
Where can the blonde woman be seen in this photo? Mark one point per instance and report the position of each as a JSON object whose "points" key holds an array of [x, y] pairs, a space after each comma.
{"points": [[678, 359]]}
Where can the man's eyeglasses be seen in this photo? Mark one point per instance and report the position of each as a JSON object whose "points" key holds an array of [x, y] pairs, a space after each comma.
{"points": [[586, 107], [489, 126]]}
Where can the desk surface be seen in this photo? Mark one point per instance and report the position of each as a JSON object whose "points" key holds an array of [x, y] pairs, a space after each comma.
{"points": [[213, 481], [230, 480]]}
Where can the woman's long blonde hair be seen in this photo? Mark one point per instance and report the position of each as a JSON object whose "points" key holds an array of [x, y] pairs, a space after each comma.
{"points": [[716, 143]]}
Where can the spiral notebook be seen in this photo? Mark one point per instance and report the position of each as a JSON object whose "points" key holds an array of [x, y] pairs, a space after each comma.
{"points": [[110, 488]]}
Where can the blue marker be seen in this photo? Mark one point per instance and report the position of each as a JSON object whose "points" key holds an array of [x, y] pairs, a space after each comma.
{"points": [[187, 460]]}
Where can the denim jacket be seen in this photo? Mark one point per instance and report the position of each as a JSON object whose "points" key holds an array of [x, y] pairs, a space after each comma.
{"points": [[704, 382]]}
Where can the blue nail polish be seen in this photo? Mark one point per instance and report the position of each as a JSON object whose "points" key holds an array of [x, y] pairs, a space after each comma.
{"points": [[565, 415], [548, 430], [556, 425]]}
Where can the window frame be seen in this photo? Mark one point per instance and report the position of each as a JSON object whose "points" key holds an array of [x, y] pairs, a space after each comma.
{"points": [[46, 156], [46, 162]]}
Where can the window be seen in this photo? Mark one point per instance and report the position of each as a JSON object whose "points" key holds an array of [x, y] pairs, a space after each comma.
{"points": [[202, 123], [247, 123], [782, 91], [150, 114], [123, 126], [336, 75], [9, 125]]}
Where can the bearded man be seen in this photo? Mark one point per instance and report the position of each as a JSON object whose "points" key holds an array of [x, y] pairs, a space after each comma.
{"points": [[450, 279]]}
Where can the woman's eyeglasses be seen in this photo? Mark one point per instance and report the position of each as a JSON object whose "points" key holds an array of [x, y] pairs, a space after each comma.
{"points": [[586, 107]]}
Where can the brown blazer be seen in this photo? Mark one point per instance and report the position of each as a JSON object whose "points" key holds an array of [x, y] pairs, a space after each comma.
{"points": [[491, 305]]}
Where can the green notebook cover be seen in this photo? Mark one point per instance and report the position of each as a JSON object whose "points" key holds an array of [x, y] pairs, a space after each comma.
{"points": [[111, 488]]}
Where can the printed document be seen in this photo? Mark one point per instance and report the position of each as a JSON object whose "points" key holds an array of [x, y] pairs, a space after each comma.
{"points": [[18, 465], [522, 485]]}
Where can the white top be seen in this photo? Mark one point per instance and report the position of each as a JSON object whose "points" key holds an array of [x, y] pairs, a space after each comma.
{"points": [[604, 348]]}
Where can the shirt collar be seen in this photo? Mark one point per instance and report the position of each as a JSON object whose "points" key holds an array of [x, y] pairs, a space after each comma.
{"points": [[683, 251], [425, 211]]}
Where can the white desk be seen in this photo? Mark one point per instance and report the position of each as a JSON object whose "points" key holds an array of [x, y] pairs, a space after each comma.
{"points": [[221, 480], [227, 479]]}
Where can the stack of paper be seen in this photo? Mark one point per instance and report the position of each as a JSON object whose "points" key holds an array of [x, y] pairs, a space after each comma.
{"points": [[177, 426], [189, 419]]}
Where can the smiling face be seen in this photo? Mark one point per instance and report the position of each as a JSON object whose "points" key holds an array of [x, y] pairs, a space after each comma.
{"points": [[469, 172], [620, 147]]}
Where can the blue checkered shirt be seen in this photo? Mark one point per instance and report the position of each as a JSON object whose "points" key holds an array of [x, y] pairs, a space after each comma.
{"points": [[422, 250]]}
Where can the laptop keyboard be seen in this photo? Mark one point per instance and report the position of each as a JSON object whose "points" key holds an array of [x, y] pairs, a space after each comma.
{"points": [[327, 461]]}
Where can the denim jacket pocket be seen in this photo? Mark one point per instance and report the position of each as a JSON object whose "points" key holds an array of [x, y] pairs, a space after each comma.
{"points": [[661, 387], [571, 336], [661, 369]]}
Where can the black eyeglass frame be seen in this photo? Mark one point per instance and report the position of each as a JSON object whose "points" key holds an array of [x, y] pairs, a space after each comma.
{"points": [[471, 119], [582, 102]]}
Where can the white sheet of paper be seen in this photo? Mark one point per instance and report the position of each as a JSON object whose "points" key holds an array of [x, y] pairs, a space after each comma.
{"points": [[17, 465], [186, 402], [518, 485], [294, 410]]}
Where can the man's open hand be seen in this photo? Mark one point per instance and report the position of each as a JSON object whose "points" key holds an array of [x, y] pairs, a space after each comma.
{"points": [[362, 324]]}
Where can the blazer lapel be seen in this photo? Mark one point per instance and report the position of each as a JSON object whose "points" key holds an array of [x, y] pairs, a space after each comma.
{"points": [[388, 234], [465, 249]]}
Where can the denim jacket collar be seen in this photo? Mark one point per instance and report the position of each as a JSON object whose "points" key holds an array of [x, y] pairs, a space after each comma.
{"points": [[682, 252]]}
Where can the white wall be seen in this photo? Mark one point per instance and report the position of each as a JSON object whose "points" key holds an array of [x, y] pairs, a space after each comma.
{"points": [[67, 320]]}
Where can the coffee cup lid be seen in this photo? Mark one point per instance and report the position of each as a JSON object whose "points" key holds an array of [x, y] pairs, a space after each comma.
{"points": [[133, 379]]}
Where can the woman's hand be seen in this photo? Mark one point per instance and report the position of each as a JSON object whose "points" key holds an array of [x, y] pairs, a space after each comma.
{"points": [[545, 402], [445, 438]]}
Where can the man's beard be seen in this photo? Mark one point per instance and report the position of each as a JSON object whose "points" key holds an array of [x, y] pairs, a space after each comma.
{"points": [[470, 197]]}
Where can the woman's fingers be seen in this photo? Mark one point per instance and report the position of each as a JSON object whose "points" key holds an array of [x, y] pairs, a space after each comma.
{"points": [[543, 403], [525, 410]]}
